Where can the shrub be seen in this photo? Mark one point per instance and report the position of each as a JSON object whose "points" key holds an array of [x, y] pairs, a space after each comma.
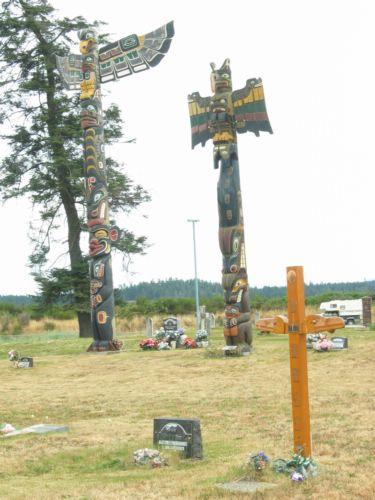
{"points": [[16, 328], [5, 323], [49, 326], [23, 318]]}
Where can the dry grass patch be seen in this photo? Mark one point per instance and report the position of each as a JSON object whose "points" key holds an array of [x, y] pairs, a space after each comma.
{"points": [[109, 402]]}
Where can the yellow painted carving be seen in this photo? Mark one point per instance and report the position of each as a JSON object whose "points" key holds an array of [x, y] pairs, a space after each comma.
{"points": [[195, 109], [223, 136], [240, 283], [85, 45], [256, 94], [101, 233], [88, 87]]}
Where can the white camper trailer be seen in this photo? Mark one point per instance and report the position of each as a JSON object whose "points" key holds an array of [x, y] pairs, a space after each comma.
{"points": [[351, 311]]}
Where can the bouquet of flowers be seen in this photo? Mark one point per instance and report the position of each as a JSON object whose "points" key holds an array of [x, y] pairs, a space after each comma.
{"points": [[201, 335], [147, 456], [172, 337], [159, 334], [148, 344], [299, 468], [6, 428], [322, 344], [189, 343], [13, 355], [201, 338], [258, 461], [163, 345]]}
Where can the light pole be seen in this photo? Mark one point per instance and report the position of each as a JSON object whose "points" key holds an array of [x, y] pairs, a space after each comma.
{"points": [[193, 221]]}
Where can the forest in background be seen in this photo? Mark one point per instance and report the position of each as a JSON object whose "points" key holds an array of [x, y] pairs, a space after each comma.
{"points": [[169, 297], [175, 296], [177, 288]]}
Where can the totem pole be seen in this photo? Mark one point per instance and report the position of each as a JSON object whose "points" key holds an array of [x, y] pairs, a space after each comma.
{"points": [[127, 56], [219, 118]]}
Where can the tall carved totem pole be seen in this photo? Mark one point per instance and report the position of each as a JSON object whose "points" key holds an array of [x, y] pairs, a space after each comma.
{"points": [[87, 71], [219, 118]]}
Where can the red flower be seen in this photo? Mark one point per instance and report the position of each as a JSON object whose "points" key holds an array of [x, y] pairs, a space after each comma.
{"points": [[189, 343], [148, 344]]}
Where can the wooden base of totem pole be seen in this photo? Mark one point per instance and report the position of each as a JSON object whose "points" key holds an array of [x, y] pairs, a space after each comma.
{"points": [[110, 345], [297, 325]]}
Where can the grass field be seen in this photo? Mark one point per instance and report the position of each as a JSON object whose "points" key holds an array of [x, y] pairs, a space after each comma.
{"points": [[109, 402]]}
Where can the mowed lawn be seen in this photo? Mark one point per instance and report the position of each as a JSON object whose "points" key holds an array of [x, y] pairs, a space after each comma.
{"points": [[109, 402]]}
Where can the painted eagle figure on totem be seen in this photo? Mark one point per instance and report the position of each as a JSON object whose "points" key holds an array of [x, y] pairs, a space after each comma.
{"points": [[129, 55], [219, 118]]}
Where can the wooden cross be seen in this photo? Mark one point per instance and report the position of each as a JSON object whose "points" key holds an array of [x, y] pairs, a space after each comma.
{"points": [[297, 325]]}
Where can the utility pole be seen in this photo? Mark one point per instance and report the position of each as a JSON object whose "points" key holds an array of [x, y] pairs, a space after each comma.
{"points": [[198, 314]]}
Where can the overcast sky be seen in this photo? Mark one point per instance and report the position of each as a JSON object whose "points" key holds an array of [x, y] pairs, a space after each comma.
{"points": [[307, 190]]}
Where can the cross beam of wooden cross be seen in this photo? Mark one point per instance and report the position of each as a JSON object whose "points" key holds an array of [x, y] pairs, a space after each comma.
{"points": [[297, 325]]}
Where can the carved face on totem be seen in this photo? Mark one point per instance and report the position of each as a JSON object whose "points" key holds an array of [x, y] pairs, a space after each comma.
{"points": [[221, 80], [232, 247], [89, 114], [88, 84], [88, 40]]}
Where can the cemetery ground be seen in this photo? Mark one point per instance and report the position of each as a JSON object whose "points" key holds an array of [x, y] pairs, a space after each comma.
{"points": [[109, 402]]}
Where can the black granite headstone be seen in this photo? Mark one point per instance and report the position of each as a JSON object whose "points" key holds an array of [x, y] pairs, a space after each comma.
{"points": [[179, 434], [170, 324]]}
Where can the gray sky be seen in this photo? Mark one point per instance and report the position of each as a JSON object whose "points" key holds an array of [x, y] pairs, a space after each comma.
{"points": [[307, 189]]}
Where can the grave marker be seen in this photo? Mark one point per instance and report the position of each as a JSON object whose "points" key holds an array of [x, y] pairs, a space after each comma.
{"points": [[179, 434], [170, 324], [149, 327], [297, 325]]}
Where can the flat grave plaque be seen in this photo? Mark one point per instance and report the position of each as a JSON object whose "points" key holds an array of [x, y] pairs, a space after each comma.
{"points": [[180, 434], [25, 362], [339, 343]]}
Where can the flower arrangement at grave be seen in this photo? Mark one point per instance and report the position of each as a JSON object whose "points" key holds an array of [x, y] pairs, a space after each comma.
{"points": [[298, 468], [13, 355], [201, 338], [175, 336], [6, 428], [160, 334], [320, 342], [189, 343], [163, 340], [148, 344], [147, 456], [258, 461], [163, 345]]}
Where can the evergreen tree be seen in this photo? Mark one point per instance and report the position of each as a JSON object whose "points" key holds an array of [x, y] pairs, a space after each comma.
{"points": [[42, 127]]}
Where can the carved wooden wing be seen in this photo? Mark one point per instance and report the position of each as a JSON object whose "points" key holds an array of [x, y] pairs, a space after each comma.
{"points": [[134, 53], [70, 69], [250, 108], [199, 110]]}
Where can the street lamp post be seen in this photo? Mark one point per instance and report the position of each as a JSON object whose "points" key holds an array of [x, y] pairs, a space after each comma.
{"points": [[193, 221]]}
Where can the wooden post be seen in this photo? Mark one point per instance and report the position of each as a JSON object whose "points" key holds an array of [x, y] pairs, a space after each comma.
{"points": [[298, 361], [297, 325]]}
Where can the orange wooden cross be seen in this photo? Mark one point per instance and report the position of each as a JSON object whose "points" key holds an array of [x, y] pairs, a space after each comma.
{"points": [[297, 325]]}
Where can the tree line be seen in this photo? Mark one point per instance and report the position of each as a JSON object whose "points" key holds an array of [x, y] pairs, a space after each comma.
{"points": [[177, 288], [176, 297]]}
